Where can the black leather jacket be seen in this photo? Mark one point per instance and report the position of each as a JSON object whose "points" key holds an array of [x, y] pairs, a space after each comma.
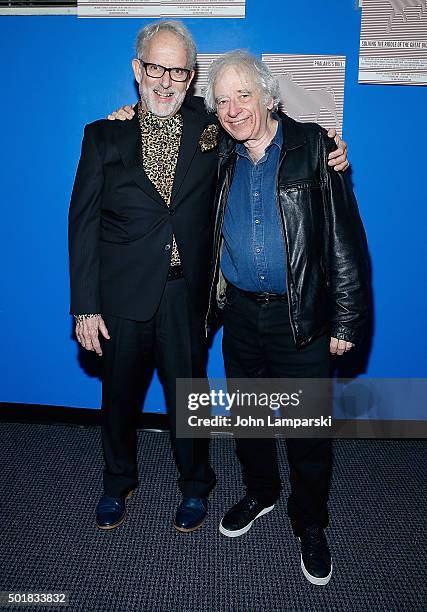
{"points": [[326, 250]]}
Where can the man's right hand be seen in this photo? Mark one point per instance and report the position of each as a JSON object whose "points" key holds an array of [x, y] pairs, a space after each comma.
{"points": [[87, 333], [122, 113]]}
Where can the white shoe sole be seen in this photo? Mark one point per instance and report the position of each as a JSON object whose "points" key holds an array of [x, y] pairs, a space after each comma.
{"points": [[239, 532], [314, 579]]}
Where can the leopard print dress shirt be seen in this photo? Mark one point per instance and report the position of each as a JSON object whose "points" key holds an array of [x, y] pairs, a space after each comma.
{"points": [[160, 140]]}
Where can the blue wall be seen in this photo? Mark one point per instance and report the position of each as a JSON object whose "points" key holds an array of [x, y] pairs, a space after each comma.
{"points": [[59, 73]]}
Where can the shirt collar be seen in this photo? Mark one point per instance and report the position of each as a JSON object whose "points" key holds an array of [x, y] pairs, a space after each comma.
{"points": [[277, 140], [152, 122]]}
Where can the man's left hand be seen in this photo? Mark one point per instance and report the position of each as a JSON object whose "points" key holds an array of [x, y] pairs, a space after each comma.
{"points": [[338, 158], [339, 347]]}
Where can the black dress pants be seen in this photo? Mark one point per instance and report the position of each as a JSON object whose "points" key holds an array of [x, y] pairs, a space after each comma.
{"points": [[174, 339], [258, 342]]}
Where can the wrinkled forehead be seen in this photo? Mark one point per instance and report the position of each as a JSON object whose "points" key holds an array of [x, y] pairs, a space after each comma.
{"points": [[166, 46], [233, 79]]}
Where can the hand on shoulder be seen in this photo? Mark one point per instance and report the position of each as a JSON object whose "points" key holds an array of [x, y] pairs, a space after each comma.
{"points": [[123, 113]]}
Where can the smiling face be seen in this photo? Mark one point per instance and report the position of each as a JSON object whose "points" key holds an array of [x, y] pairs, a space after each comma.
{"points": [[163, 97], [240, 105]]}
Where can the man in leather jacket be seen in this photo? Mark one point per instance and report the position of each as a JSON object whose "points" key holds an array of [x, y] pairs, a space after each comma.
{"points": [[290, 274]]}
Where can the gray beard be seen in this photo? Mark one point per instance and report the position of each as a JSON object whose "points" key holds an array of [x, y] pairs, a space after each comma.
{"points": [[178, 101]]}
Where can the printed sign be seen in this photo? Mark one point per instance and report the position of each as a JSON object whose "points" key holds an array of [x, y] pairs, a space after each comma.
{"points": [[393, 42], [311, 87], [161, 8]]}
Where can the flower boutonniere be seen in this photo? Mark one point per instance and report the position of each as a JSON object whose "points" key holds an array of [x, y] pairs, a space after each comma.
{"points": [[209, 138]]}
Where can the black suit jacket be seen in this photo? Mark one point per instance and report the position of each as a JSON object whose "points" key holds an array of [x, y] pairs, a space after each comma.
{"points": [[120, 229]]}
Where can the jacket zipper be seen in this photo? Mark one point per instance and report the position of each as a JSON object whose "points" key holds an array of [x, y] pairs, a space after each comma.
{"points": [[216, 260], [286, 246]]}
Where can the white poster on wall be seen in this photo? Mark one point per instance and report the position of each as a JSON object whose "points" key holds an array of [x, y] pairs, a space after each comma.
{"points": [[161, 8], [311, 86], [204, 60], [393, 42]]}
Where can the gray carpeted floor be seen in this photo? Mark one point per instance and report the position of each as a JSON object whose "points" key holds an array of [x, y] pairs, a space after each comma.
{"points": [[50, 483]]}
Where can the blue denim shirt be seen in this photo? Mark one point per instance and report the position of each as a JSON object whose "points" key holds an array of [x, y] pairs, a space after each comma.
{"points": [[254, 255]]}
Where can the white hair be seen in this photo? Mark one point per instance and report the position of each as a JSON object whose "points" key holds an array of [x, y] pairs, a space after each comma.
{"points": [[261, 74], [177, 28]]}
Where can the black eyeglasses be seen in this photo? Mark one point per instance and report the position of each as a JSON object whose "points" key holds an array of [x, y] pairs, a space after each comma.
{"points": [[156, 72]]}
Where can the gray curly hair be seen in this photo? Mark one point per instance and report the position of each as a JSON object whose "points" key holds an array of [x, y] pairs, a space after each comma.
{"points": [[262, 76], [177, 28]]}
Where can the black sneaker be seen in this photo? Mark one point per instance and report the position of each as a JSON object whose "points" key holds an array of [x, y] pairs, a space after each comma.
{"points": [[239, 518], [316, 562]]}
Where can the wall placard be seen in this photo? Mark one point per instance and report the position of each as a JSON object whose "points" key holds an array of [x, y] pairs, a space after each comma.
{"points": [[161, 8], [311, 86], [393, 42]]}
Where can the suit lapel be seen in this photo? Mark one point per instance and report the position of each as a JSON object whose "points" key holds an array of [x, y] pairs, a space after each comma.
{"points": [[129, 145], [189, 142]]}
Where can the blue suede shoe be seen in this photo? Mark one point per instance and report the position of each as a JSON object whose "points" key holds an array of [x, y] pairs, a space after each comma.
{"points": [[191, 513], [111, 511]]}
